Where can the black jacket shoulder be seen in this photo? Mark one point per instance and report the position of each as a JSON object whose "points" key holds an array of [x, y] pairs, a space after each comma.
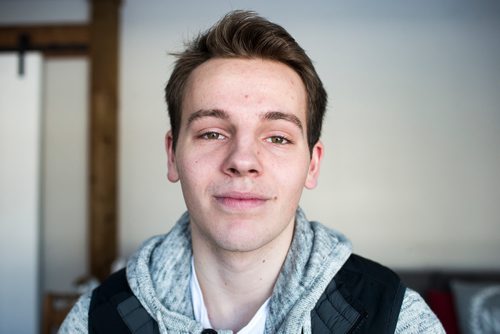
{"points": [[364, 297]]}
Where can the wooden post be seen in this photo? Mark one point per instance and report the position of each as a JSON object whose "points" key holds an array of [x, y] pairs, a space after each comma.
{"points": [[103, 134]]}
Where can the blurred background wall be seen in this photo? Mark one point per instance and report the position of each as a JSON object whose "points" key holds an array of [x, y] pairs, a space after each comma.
{"points": [[411, 172], [20, 156]]}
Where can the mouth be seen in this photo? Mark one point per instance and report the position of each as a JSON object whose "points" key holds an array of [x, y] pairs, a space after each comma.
{"points": [[241, 200]]}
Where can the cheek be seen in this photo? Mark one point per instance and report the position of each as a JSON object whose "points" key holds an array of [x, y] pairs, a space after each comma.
{"points": [[195, 171], [291, 175], [189, 170]]}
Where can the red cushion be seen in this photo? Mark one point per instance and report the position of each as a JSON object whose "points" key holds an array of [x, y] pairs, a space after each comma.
{"points": [[441, 302]]}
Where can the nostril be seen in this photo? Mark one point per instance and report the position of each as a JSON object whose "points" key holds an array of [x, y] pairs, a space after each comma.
{"points": [[236, 171]]}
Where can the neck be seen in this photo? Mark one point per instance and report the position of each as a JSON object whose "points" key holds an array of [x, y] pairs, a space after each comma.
{"points": [[236, 284]]}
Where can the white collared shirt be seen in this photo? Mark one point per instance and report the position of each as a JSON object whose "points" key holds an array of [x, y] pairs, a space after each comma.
{"points": [[255, 326]]}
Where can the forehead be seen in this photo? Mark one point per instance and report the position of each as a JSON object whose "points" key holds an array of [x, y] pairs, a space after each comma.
{"points": [[245, 86]]}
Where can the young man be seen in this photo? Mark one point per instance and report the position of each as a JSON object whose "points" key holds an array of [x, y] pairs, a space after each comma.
{"points": [[246, 108]]}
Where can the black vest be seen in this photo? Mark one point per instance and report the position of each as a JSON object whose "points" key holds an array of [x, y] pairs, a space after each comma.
{"points": [[364, 297]]}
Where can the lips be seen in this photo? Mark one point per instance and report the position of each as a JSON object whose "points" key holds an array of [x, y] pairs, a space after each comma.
{"points": [[241, 200]]}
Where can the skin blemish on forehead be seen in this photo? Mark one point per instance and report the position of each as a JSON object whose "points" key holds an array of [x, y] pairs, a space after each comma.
{"points": [[246, 96]]}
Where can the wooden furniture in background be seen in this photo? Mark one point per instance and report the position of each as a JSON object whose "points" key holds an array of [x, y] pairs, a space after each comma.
{"points": [[55, 308]]}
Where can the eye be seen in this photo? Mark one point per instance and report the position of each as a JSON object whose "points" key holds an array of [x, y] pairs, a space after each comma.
{"points": [[279, 140], [212, 136]]}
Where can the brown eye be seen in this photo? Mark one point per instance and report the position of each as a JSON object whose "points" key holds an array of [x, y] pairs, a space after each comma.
{"points": [[279, 140], [212, 136]]}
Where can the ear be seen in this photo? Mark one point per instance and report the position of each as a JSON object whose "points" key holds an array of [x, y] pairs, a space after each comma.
{"points": [[172, 174], [314, 164]]}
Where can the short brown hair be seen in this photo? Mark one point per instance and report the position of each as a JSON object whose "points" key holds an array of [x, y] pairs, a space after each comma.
{"points": [[244, 34]]}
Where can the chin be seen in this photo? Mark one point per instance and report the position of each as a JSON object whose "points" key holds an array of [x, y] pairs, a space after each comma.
{"points": [[242, 240], [239, 246]]}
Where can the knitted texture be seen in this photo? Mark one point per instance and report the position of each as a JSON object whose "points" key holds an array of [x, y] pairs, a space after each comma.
{"points": [[159, 272]]}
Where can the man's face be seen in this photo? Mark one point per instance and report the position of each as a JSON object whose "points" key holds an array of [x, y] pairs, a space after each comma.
{"points": [[242, 156]]}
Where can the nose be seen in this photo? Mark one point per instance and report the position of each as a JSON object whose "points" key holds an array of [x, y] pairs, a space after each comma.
{"points": [[243, 159]]}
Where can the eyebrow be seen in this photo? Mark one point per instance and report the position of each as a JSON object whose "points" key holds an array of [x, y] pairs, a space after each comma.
{"points": [[278, 115], [217, 113], [221, 114]]}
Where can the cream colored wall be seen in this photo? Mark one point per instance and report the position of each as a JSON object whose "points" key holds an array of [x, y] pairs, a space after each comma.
{"points": [[64, 185], [20, 127]]}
